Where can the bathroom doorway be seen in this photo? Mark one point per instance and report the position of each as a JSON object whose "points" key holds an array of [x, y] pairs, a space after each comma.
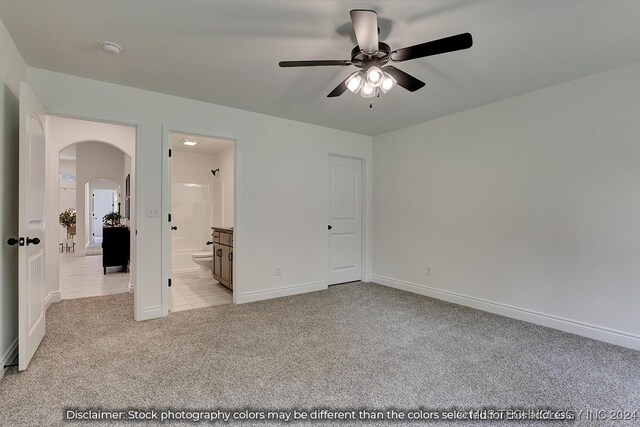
{"points": [[202, 220]]}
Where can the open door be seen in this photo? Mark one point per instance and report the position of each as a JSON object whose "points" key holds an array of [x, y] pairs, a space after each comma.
{"points": [[31, 183], [168, 227]]}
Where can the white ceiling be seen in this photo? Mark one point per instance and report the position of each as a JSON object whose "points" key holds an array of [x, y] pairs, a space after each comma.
{"points": [[227, 51]]}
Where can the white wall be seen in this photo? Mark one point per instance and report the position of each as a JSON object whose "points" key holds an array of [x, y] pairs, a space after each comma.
{"points": [[529, 207], [94, 160], [12, 71], [280, 216], [191, 203], [225, 161], [61, 133]]}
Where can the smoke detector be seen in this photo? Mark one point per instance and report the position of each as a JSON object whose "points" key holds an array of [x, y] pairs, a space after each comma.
{"points": [[112, 47]]}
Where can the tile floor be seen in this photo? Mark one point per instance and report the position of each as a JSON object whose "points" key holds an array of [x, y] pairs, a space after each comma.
{"points": [[83, 277], [189, 292]]}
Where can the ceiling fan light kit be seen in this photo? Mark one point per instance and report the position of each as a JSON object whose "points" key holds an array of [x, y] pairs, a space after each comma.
{"points": [[373, 56]]}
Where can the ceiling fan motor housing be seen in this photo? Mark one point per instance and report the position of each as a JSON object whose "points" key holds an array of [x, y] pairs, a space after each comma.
{"points": [[363, 60]]}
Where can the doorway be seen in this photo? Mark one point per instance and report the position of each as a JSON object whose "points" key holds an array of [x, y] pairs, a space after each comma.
{"points": [[345, 200], [103, 202], [202, 200], [95, 166]]}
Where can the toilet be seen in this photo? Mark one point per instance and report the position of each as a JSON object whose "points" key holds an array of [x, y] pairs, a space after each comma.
{"points": [[205, 261]]}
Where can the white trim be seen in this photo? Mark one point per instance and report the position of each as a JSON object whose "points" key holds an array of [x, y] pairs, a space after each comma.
{"points": [[53, 297], [132, 287], [184, 270], [588, 330], [9, 356], [281, 292], [151, 313]]}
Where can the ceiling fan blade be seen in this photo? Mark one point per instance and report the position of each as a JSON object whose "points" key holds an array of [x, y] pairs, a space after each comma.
{"points": [[405, 80], [435, 47], [365, 25], [319, 63], [339, 90]]}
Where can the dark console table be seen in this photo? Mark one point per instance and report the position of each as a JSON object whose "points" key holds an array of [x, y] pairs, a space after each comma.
{"points": [[115, 247]]}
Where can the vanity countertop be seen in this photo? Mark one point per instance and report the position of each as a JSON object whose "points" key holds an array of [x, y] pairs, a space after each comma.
{"points": [[223, 229]]}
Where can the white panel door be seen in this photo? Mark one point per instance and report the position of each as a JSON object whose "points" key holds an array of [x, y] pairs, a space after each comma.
{"points": [[344, 186], [102, 205], [31, 183]]}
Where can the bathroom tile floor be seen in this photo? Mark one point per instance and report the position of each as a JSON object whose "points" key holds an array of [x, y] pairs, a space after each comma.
{"points": [[189, 292], [83, 277]]}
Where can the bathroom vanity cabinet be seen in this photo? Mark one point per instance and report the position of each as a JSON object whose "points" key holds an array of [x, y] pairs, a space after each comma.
{"points": [[223, 256], [115, 247]]}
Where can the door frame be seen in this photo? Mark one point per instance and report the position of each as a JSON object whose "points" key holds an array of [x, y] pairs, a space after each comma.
{"points": [[367, 199], [165, 209], [138, 311]]}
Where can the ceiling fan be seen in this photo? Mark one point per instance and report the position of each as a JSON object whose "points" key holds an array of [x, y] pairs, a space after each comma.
{"points": [[373, 56]]}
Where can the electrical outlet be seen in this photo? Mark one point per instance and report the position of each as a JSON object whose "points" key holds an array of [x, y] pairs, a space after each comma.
{"points": [[428, 270], [153, 212], [278, 270]]}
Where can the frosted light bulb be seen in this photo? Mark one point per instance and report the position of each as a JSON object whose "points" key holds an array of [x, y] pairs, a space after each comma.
{"points": [[355, 81], [387, 83], [368, 91], [374, 76]]}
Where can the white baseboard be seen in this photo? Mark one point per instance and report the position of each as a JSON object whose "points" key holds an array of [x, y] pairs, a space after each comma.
{"points": [[280, 292], [9, 356], [150, 313], [52, 298], [132, 287], [600, 333], [185, 270]]}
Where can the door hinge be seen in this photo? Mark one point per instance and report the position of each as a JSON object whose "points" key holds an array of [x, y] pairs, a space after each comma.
{"points": [[169, 282]]}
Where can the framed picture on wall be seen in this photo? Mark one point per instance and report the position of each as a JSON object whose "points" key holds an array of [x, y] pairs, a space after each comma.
{"points": [[127, 197]]}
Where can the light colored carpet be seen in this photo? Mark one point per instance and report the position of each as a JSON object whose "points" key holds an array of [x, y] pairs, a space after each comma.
{"points": [[352, 346]]}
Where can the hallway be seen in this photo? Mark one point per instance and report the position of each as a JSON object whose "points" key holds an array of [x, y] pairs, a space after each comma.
{"points": [[83, 277]]}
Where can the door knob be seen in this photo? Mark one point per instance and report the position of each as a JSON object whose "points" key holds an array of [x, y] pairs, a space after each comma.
{"points": [[330, 227], [174, 227], [12, 241], [34, 241]]}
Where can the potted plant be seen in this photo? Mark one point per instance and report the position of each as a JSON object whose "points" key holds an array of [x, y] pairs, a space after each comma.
{"points": [[111, 219], [67, 219]]}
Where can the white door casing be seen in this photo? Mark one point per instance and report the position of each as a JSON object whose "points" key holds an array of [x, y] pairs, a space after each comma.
{"points": [[31, 183], [167, 293], [345, 203]]}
